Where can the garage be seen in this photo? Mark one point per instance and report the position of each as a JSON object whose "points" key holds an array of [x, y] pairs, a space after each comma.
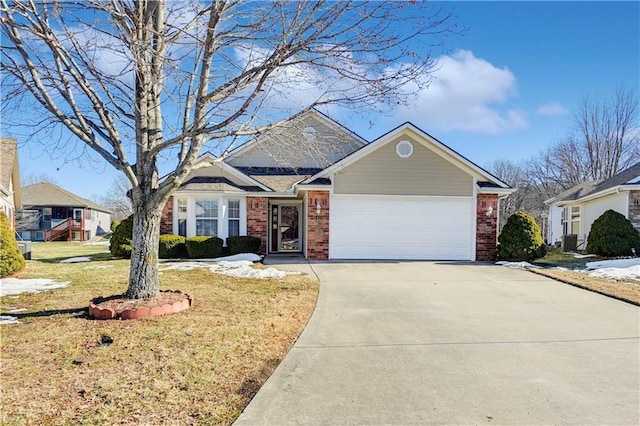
{"points": [[395, 227]]}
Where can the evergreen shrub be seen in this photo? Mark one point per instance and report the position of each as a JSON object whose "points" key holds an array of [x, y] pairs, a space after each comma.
{"points": [[172, 247], [520, 239], [243, 244], [613, 235], [11, 260], [204, 247], [120, 244]]}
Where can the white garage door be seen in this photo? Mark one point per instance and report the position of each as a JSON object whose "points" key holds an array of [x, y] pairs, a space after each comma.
{"points": [[401, 228]]}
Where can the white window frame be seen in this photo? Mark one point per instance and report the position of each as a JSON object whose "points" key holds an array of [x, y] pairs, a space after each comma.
{"points": [[569, 217], [223, 212], [215, 218], [229, 219]]}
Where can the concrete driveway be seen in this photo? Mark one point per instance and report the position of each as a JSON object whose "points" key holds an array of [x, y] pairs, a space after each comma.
{"points": [[447, 343]]}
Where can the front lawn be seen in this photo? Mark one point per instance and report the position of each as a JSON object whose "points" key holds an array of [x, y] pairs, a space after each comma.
{"points": [[573, 273], [201, 366]]}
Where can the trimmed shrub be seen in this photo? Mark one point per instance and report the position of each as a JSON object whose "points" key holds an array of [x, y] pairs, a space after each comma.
{"points": [[244, 244], [120, 244], [11, 260], [520, 239], [613, 235], [172, 247], [204, 246]]}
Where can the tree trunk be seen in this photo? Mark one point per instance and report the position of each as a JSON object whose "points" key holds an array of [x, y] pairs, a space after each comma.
{"points": [[143, 278]]}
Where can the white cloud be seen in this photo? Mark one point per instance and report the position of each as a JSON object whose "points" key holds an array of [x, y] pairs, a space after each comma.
{"points": [[464, 95], [552, 109]]}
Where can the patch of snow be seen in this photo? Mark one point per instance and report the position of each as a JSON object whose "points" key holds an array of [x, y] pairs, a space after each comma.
{"points": [[76, 260], [238, 268], [6, 319], [12, 286], [251, 257], [13, 311], [580, 256], [99, 267], [515, 265], [630, 272], [615, 263], [98, 243]]}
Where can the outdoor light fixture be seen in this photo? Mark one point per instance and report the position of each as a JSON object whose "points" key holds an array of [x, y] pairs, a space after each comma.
{"points": [[318, 208], [489, 211]]}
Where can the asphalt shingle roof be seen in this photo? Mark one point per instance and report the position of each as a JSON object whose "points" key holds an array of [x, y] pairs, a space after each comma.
{"points": [[46, 194]]}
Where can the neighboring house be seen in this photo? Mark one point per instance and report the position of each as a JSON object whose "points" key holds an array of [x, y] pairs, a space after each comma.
{"points": [[316, 188], [10, 199], [573, 211], [52, 213]]}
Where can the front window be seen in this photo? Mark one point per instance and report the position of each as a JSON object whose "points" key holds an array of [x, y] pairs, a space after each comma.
{"points": [[571, 220], [234, 218], [182, 217], [207, 217]]}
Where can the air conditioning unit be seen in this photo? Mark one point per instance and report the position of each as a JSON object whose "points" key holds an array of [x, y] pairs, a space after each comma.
{"points": [[570, 242]]}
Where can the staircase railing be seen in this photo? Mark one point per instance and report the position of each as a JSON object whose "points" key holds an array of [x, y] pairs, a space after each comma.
{"points": [[57, 231]]}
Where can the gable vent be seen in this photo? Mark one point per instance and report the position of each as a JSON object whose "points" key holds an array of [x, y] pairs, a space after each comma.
{"points": [[404, 149]]}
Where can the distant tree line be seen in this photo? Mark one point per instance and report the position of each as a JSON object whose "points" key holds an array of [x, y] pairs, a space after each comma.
{"points": [[604, 140]]}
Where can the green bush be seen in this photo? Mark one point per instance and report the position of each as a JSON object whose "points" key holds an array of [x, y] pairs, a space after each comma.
{"points": [[120, 244], [245, 244], [172, 247], [204, 247], [613, 235], [11, 260], [114, 225], [520, 239]]}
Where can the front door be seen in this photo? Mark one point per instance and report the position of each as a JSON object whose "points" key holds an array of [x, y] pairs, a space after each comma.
{"points": [[286, 232]]}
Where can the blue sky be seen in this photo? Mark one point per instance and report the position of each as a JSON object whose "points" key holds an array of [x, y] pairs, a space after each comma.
{"points": [[504, 89]]}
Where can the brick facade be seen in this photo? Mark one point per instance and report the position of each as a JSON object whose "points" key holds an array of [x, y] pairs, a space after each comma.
{"points": [[634, 208], [258, 220], [486, 227], [318, 225], [166, 221]]}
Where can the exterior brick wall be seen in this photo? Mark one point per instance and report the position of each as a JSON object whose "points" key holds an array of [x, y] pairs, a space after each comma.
{"points": [[258, 219], [318, 225], [166, 221], [486, 227], [634, 208]]}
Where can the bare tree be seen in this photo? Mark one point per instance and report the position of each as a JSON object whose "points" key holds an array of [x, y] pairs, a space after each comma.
{"points": [[33, 178], [116, 198], [149, 80], [605, 141]]}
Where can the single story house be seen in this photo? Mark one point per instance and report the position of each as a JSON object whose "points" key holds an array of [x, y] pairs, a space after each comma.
{"points": [[316, 188], [52, 213], [573, 211], [10, 199]]}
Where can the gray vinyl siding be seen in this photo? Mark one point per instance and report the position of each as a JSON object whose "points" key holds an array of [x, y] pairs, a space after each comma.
{"points": [[288, 147], [384, 172]]}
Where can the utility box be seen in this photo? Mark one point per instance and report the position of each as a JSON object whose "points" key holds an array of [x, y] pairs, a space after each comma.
{"points": [[25, 249], [570, 242]]}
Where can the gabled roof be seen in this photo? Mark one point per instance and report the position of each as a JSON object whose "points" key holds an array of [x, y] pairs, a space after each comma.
{"points": [[211, 159], [9, 168], [486, 181], [626, 179], [574, 193], [216, 183], [49, 195], [322, 148]]}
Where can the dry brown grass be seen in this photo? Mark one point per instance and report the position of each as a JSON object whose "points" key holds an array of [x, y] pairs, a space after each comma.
{"points": [[201, 366], [628, 291]]}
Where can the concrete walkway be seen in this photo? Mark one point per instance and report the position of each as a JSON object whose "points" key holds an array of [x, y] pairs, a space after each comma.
{"points": [[445, 343]]}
